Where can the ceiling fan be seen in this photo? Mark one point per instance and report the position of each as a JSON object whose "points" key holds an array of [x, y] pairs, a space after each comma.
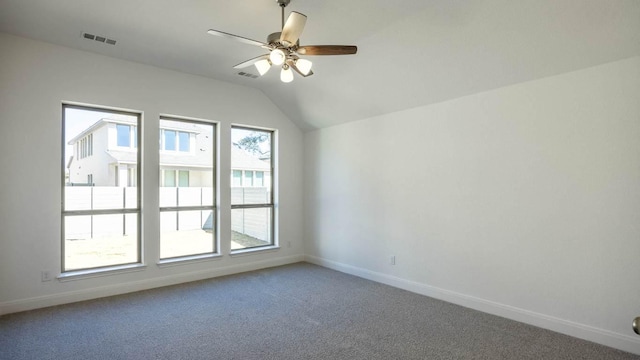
{"points": [[284, 48]]}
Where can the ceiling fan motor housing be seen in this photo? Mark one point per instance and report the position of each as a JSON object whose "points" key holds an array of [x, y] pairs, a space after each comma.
{"points": [[273, 38]]}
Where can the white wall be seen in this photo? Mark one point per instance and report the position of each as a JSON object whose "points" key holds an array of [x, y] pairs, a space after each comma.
{"points": [[523, 201], [35, 78]]}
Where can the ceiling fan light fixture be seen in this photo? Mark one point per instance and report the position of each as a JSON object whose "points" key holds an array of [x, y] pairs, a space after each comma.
{"points": [[286, 75], [304, 66], [263, 66], [277, 57]]}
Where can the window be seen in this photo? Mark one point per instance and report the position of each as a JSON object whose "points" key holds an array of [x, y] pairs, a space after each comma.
{"points": [[100, 213], [252, 207], [169, 140], [236, 178], [248, 178], [169, 178], [183, 178], [183, 140], [187, 197], [173, 140], [124, 135], [84, 147]]}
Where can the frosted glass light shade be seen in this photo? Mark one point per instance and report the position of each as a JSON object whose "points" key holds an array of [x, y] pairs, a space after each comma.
{"points": [[263, 66], [304, 66], [277, 57], [286, 75]]}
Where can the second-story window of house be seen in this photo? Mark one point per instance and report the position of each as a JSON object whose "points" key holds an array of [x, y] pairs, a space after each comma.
{"points": [[127, 136], [175, 140], [183, 141]]}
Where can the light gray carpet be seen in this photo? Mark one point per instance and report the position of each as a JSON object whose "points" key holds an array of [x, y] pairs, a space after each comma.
{"points": [[299, 311]]}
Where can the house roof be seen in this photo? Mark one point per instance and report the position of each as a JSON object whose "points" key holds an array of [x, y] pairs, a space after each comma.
{"points": [[98, 124], [241, 159]]}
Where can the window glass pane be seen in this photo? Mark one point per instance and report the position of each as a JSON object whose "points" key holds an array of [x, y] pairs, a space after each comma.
{"points": [[169, 178], [183, 178], [95, 183], [236, 178], [259, 181], [100, 240], [169, 140], [78, 198], [183, 139], [135, 136], [168, 196], [248, 178], [251, 228], [190, 196], [124, 135], [187, 232], [250, 152], [108, 197], [206, 196]]}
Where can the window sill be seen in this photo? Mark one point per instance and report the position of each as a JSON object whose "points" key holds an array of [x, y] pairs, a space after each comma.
{"points": [[93, 273], [251, 251], [187, 260]]}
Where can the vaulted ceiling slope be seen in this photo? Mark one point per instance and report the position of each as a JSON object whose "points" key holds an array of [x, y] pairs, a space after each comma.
{"points": [[410, 52]]}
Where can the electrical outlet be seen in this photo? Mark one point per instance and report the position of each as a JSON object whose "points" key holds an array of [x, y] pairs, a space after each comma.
{"points": [[392, 260], [45, 275]]}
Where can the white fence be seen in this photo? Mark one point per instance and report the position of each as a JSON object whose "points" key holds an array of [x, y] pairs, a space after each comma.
{"points": [[100, 198], [252, 222]]}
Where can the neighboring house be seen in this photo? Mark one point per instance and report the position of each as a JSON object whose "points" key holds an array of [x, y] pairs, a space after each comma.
{"points": [[248, 170], [105, 154]]}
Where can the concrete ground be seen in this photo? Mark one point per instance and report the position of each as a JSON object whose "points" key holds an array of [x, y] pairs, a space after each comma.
{"points": [[114, 250]]}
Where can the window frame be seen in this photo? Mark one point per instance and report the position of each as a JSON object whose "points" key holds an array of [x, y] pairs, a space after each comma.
{"points": [[214, 208], [124, 211], [272, 190]]}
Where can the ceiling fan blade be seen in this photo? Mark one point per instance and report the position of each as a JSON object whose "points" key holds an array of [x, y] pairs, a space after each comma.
{"points": [[327, 50], [250, 62], [237, 38], [293, 28]]}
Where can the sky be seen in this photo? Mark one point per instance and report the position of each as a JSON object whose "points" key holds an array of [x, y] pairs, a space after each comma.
{"points": [[77, 120]]}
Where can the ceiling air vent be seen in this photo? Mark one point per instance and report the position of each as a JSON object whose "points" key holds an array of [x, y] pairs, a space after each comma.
{"points": [[98, 38], [249, 75]]}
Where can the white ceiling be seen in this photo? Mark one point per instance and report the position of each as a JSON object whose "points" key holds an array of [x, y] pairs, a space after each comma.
{"points": [[410, 52]]}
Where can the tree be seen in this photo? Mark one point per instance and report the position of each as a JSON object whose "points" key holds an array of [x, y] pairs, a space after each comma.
{"points": [[253, 143]]}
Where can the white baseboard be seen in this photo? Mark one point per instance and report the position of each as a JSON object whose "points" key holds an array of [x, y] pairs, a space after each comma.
{"points": [[123, 288], [608, 338]]}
